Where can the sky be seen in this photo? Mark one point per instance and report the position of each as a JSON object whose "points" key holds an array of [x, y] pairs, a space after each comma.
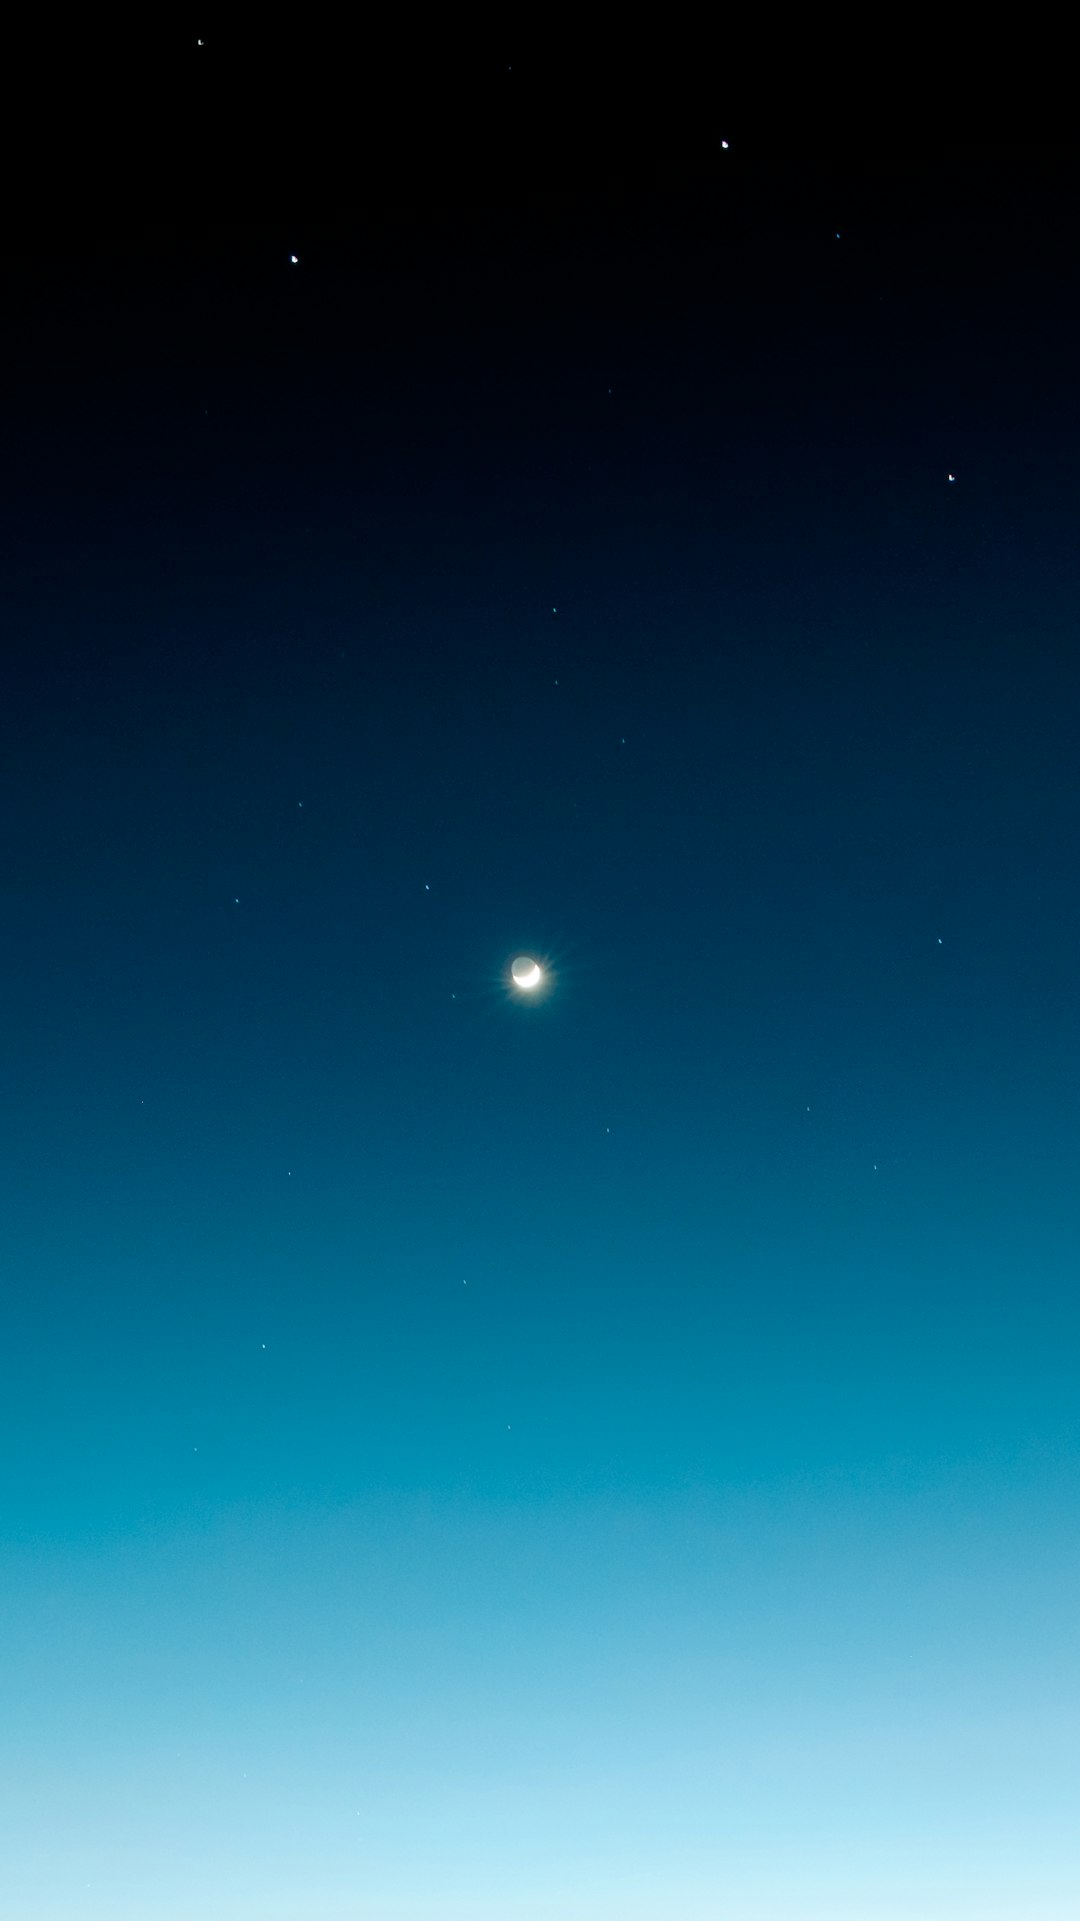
{"points": [[611, 1453]]}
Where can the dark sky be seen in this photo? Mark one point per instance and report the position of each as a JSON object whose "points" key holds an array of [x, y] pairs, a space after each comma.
{"points": [[613, 1454]]}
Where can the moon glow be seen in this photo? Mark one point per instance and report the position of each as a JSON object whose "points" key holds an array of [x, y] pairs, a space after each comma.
{"points": [[526, 973]]}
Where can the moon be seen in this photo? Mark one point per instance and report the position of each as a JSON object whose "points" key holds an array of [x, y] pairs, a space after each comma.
{"points": [[526, 973]]}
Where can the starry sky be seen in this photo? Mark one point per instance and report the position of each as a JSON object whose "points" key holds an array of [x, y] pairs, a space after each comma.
{"points": [[612, 1454]]}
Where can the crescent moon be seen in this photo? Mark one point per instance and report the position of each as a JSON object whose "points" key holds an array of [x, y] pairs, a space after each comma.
{"points": [[526, 973]]}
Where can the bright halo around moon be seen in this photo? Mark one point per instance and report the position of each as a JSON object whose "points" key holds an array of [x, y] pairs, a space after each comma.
{"points": [[526, 973]]}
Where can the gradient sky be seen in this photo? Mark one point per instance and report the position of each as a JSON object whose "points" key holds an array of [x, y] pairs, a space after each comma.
{"points": [[613, 1457]]}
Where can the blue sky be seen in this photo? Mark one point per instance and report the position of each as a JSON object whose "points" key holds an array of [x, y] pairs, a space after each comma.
{"points": [[761, 1700]]}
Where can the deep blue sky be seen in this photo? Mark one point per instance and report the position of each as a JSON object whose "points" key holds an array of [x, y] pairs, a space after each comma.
{"points": [[613, 1457]]}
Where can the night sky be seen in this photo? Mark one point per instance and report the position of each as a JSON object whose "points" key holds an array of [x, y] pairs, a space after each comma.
{"points": [[611, 1454]]}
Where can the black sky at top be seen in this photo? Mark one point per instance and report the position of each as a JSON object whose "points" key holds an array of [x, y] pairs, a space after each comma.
{"points": [[494, 229], [458, 196], [142, 153]]}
